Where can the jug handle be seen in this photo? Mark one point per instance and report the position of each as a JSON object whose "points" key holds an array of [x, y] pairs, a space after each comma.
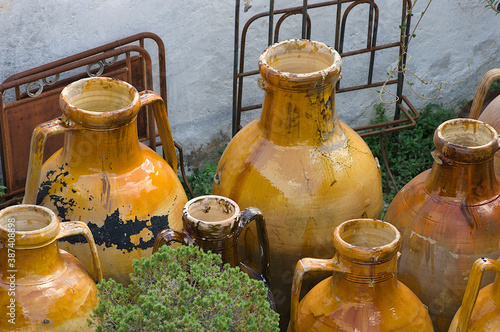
{"points": [[38, 139], [309, 265], [482, 89], [160, 113], [473, 285], [70, 228], [246, 216], [167, 235]]}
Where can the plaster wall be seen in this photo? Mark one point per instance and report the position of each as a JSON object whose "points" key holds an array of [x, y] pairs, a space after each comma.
{"points": [[198, 37]]}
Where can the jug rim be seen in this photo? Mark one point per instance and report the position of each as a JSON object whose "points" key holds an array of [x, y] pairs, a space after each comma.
{"points": [[458, 147], [28, 239], [382, 251], [329, 73], [214, 229], [127, 110]]}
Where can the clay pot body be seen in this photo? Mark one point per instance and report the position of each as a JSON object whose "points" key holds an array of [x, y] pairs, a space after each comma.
{"points": [[214, 223], [363, 294], [43, 288], [120, 188], [302, 167], [491, 113], [449, 217], [480, 310]]}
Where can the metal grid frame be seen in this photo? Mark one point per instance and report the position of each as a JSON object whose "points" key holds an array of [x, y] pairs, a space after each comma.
{"points": [[97, 63]]}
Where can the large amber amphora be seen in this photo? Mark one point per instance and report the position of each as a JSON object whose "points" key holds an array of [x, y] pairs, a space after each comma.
{"points": [[43, 288], [103, 176], [364, 293], [449, 217], [302, 167]]}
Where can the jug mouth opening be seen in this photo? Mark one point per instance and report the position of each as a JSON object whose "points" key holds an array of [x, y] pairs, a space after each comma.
{"points": [[210, 216], [100, 102], [212, 208], [467, 140], [296, 61], [28, 226], [367, 240]]}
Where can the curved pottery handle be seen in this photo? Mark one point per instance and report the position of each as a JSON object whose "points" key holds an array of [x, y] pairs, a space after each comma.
{"points": [[309, 265], [488, 78], [38, 139], [80, 228], [476, 275], [160, 112], [246, 216], [167, 235]]}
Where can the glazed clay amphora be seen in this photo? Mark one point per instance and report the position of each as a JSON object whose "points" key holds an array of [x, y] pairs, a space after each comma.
{"points": [[43, 288], [103, 176], [480, 310], [364, 293], [214, 223], [449, 217], [491, 114], [302, 167]]}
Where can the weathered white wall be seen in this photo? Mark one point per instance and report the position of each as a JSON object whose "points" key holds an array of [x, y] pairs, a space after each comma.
{"points": [[198, 37]]}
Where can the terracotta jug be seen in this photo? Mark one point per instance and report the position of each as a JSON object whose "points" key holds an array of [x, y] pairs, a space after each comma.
{"points": [[214, 223], [120, 188], [491, 113], [302, 167], [364, 293], [449, 217], [480, 310], [43, 288]]}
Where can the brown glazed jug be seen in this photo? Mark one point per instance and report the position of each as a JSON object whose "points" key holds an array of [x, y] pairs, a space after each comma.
{"points": [[491, 113], [214, 223], [302, 167], [449, 217], [103, 175], [480, 310], [363, 294], [43, 288]]}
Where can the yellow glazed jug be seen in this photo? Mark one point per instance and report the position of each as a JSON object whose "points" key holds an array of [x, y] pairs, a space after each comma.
{"points": [[302, 167], [480, 310], [364, 293], [43, 288], [103, 176]]}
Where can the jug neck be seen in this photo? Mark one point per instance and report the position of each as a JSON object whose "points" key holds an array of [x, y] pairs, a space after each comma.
{"points": [[463, 171], [376, 275], [463, 183], [31, 266], [292, 117], [103, 149], [298, 77]]}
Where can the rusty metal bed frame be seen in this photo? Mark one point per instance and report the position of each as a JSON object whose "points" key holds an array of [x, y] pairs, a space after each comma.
{"points": [[381, 129], [39, 101]]}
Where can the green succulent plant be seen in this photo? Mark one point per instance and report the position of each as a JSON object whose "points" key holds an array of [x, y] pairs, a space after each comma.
{"points": [[184, 289]]}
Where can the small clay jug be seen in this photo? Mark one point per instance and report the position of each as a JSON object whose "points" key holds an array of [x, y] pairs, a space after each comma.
{"points": [[43, 288], [449, 217], [364, 293], [491, 113], [306, 170], [480, 310], [124, 191], [215, 223]]}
